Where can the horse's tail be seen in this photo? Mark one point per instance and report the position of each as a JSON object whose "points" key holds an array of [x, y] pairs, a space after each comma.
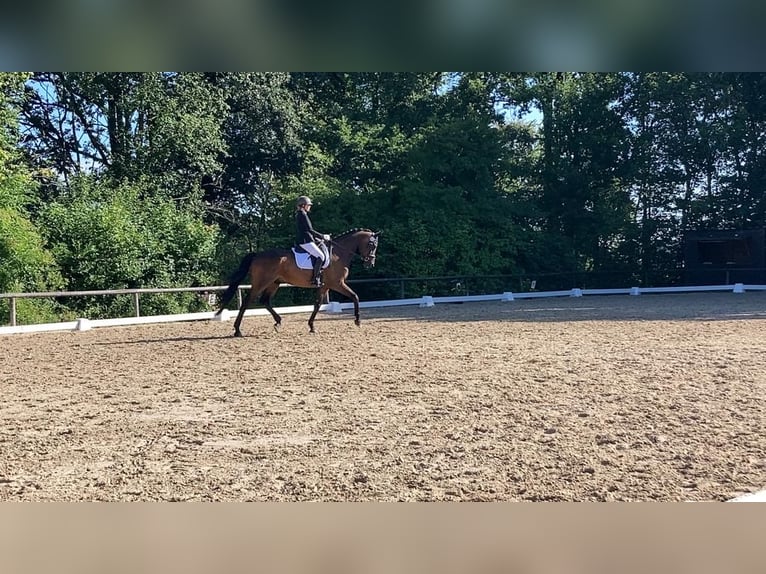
{"points": [[235, 280]]}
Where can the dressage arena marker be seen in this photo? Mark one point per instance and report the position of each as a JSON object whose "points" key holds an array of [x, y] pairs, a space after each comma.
{"points": [[224, 316], [334, 307], [754, 497]]}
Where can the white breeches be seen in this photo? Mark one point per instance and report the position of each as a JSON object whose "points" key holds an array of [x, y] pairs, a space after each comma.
{"points": [[314, 249]]}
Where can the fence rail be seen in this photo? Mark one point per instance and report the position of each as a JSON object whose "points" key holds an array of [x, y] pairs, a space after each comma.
{"points": [[458, 281], [404, 287], [135, 292], [337, 307]]}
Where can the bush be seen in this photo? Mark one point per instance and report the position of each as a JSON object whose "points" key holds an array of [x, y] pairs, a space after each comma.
{"points": [[35, 311], [25, 266], [127, 237]]}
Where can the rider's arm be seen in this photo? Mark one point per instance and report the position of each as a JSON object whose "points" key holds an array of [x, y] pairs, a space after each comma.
{"points": [[314, 233]]}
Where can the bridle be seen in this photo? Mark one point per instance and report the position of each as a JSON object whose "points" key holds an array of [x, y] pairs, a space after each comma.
{"points": [[372, 248]]}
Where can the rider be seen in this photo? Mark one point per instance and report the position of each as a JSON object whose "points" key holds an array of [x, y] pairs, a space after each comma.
{"points": [[308, 237]]}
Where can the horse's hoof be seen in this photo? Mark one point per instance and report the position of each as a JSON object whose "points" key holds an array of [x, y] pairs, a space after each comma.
{"points": [[277, 326], [237, 333], [312, 331], [358, 323]]}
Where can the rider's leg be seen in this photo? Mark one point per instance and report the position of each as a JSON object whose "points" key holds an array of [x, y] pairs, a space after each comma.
{"points": [[317, 258], [316, 278]]}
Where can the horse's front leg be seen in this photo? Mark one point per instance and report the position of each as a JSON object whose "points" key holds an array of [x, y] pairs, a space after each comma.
{"points": [[357, 320], [344, 289]]}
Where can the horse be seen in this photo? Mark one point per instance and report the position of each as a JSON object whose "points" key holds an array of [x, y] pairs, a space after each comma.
{"points": [[268, 269]]}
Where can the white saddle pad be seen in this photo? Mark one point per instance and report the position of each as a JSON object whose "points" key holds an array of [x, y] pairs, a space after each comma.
{"points": [[303, 260]]}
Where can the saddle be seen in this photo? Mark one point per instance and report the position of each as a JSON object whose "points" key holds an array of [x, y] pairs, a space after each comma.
{"points": [[303, 260]]}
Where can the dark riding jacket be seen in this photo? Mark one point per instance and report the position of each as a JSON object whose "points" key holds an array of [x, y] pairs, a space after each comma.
{"points": [[306, 231]]}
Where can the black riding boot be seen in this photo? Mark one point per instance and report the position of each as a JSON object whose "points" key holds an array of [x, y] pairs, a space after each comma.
{"points": [[316, 279]]}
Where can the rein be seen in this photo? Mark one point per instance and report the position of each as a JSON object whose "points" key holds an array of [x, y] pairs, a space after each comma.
{"points": [[336, 245]]}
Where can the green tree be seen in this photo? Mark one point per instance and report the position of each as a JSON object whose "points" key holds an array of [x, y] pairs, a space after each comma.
{"points": [[583, 157], [107, 237], [263, 134], [426, 157], [741, 198], [130, 126], [25, 264]]}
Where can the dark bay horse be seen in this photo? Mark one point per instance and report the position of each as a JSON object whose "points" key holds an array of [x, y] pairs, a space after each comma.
{"points": [[268, 269]]}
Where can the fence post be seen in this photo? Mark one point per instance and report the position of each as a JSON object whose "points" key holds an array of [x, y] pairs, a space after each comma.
{"points": [[401, 283], [13, 311], [239, 298], [135, 304]]}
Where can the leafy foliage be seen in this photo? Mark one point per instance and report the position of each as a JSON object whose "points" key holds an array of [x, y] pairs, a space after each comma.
{"points": [[124, 237], [25, 264], [160, 179]]}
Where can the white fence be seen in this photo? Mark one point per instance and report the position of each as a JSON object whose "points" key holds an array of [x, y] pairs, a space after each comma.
{"points": [[84, 324]]}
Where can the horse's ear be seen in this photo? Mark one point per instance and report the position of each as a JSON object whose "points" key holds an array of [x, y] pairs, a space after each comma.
{"points": [[378, 232]]}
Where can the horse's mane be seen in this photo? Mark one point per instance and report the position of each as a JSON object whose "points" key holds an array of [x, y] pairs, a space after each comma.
{"points": [[350, 231]]}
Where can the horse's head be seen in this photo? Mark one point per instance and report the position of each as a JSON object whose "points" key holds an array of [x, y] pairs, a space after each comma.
{"points": [[368, 248], [361, 242]]}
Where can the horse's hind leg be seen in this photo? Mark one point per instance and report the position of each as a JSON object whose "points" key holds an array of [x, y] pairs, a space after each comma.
{"points": [[266, 297], [320, 297], [245, 304]]}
